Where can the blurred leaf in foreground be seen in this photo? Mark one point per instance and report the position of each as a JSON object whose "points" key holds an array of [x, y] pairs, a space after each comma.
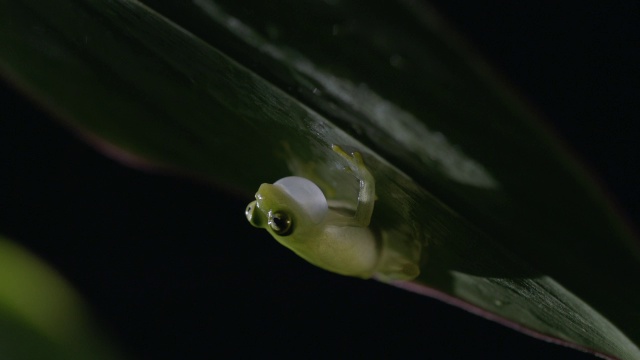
{"points": [[40, 315]]}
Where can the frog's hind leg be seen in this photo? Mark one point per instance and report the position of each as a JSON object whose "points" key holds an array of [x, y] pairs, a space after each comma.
{"points": [[399, 257]]}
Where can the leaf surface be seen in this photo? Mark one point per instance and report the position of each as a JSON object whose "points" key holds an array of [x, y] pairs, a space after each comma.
{"points": [[245, 93]]}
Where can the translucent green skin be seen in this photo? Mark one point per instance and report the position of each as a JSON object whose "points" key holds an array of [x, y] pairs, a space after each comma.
{"points": [[336, 242]]}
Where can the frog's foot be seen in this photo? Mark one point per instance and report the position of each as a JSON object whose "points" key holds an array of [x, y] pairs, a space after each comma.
{"points": [[397, 266], [402, 255], [355, 161]]}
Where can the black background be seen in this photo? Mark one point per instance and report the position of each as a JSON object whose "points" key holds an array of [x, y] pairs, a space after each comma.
{"points": [[172, 270]]}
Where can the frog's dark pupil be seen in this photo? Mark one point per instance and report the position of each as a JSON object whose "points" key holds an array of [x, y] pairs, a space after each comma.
{"points": [[280, 223]]}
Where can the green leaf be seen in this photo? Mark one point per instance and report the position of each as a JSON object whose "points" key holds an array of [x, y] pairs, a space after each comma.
{"points": [[242, 94], [41, 317]]}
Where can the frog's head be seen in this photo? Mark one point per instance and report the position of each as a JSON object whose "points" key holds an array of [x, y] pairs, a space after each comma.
{"points": [[289, 204]]}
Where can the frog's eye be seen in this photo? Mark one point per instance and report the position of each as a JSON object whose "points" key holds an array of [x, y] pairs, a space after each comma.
{"points": [[280, 223]]}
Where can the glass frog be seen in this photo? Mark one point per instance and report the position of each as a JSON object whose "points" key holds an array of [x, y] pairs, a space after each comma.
{"points": [[295, 211]]}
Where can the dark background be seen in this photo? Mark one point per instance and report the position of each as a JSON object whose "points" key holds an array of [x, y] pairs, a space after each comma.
{"points": [[172, 270]]}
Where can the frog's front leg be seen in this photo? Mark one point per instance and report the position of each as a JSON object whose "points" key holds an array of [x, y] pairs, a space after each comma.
{"points": [[367, 192]]}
